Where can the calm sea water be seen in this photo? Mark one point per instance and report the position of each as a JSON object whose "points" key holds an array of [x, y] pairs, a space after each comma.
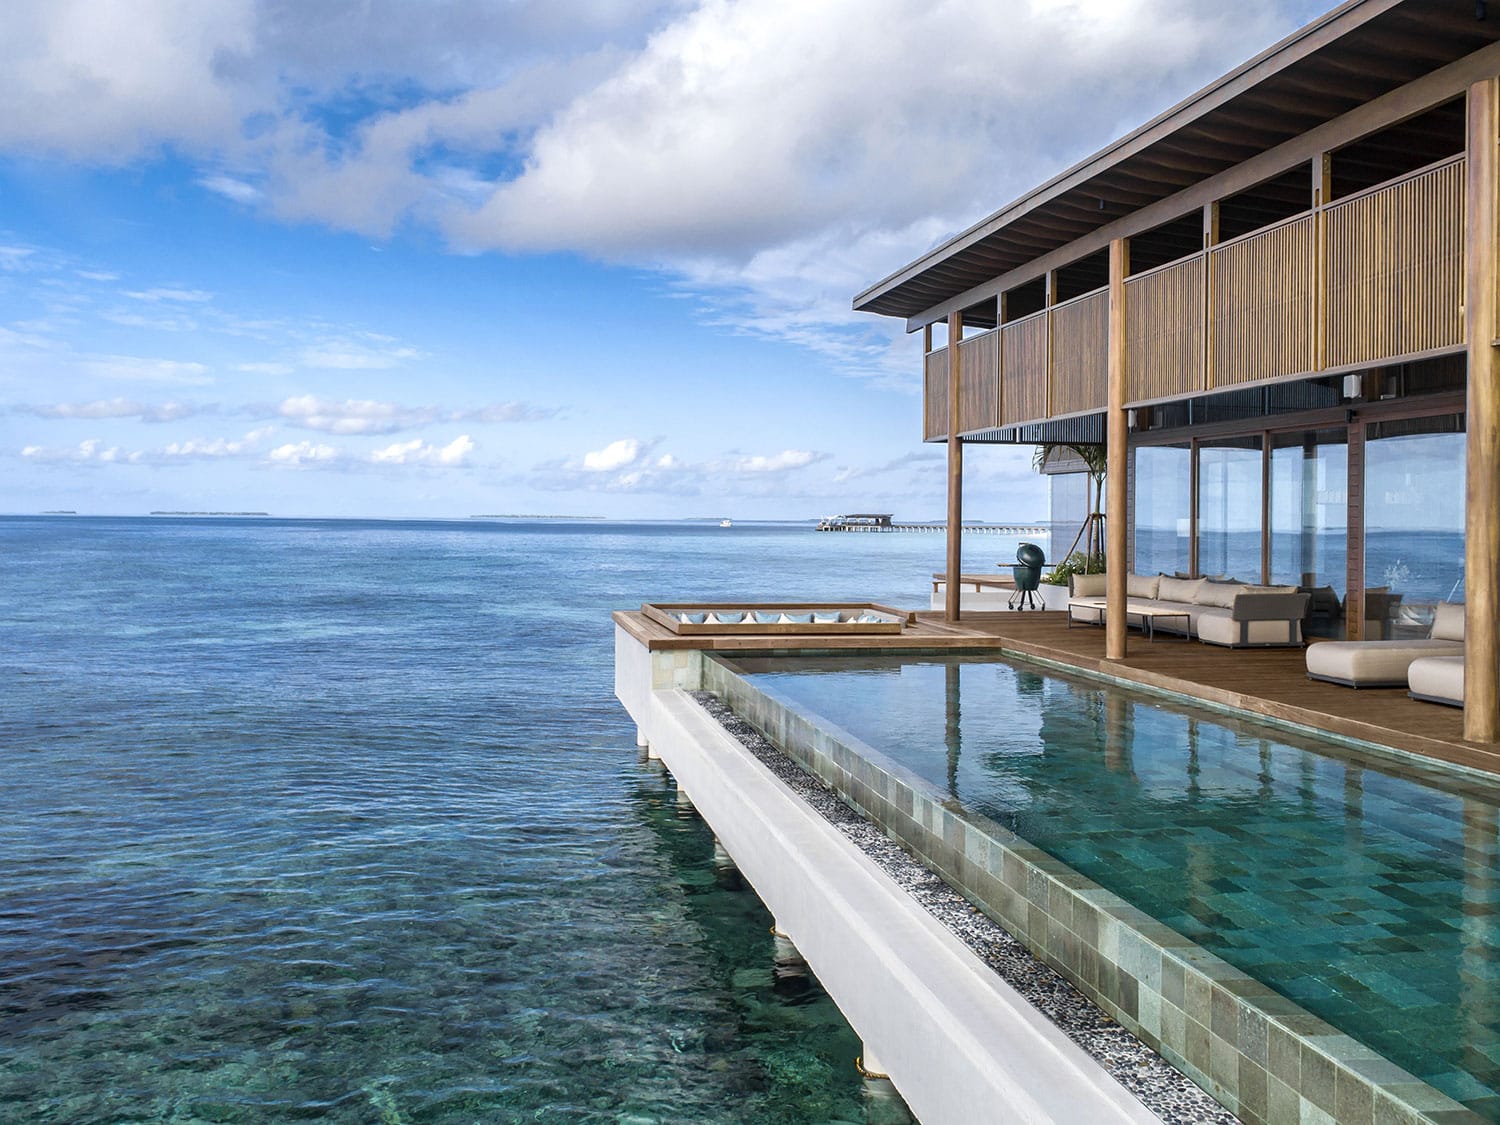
{"points": [[340, 821]]}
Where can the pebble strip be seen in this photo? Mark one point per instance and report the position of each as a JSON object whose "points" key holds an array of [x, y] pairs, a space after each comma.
{"points": [[1160, 1087]]}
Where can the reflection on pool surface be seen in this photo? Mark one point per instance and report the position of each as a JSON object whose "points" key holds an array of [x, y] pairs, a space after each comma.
{"points": [[1365, 891]]}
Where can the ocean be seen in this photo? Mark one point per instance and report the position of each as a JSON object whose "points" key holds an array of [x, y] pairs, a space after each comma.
{"points": [[339, 820]]}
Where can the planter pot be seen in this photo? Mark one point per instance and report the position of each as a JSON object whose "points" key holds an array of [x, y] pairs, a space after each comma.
{"points": [[1053, 597]]}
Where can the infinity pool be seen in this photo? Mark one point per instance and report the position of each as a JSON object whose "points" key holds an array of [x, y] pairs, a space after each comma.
{"points": [[1365, 891]]}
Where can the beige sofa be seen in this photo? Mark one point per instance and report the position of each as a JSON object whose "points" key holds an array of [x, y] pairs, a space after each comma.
{"points": [[1219, 613], [1437, 679], [1363, 664]]}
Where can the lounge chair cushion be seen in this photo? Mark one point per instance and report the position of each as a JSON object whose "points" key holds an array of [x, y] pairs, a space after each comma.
{"points": [[1141, 586], [1437, 678], [1372, 663]]}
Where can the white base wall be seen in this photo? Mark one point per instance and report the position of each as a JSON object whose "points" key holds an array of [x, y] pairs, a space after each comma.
{"points": [[958, 1042]]}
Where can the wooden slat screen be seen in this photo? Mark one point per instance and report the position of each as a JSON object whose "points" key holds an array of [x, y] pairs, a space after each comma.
{"points": [[1024, 384], [1396, 268], [1164, 317], [1263, 304], [935, 396], [979, 383], [1080, 354]]}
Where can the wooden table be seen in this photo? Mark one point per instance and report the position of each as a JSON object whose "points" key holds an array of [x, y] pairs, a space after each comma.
{"points": [[1146, 614]]}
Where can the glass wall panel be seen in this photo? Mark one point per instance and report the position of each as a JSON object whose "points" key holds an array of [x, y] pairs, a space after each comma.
{"points": [[1229, 508], [1309, 522], [1414, 523], [1163, 508]]}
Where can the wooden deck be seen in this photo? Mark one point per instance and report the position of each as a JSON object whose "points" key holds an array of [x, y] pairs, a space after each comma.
{"points": [[1267, 682]]}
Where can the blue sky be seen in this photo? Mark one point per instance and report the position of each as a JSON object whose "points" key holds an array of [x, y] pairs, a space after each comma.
{"points": [[442, 259]]}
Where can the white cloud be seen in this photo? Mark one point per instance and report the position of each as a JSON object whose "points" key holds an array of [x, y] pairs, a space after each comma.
{"points": [[265, 368], [92, 451], [501, 412], [215, 448], [297, 454], [14, 257], [418, 452], [625, 466], [350, 355], [771, 156], [367, 416], [93, 80], [615, 455], [352, 416], [145, 370], [115, 408], [231, 188], [779, 462], [191, 296]]}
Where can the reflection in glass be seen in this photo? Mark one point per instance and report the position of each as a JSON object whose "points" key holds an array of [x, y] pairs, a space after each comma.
{"points": [[1163, 509], [1229, 508], [1414, 522], [1309, 522]]}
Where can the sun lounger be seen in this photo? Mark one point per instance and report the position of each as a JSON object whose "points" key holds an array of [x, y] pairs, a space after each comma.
{"points": [[1364, 664], [1437, 679]]}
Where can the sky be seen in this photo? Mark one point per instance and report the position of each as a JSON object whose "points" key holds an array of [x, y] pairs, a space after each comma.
{"points": [[442, 258]]}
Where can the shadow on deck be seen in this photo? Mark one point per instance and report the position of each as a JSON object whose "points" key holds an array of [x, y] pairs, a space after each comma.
{"points": [[1265, 682]]}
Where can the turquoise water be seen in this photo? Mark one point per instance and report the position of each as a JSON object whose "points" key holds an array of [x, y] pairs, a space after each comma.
{"points": [[1368, 895], [333, 820]]}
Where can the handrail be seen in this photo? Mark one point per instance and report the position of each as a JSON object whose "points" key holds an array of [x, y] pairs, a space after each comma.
{"points": [[1080, 297], [1365, 193], [1027, 318], [1199, 255]]}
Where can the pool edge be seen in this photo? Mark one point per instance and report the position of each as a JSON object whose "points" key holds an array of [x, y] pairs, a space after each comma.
{"points": [[1261, 1055]]}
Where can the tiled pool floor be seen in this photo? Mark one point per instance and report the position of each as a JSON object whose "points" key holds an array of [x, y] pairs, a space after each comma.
{"points": [[1365, 893]]}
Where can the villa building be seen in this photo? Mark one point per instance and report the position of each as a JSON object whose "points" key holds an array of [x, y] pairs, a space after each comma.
{"points": [[1276, 305]]}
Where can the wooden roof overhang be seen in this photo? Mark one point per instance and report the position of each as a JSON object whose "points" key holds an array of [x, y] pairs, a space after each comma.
{"points": [[1360, 68]]}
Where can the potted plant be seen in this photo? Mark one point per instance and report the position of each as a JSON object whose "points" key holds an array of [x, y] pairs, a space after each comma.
{"points": [[1090, 559]]}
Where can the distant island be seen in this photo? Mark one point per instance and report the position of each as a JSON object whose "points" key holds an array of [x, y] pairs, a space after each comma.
{"points": [[209, 513], [59, 512], [513, 516]]}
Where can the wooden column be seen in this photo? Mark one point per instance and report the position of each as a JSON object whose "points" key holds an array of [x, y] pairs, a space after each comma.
{"points": [[1354, 540], [1117, 459], [1210, 240], [1482, 502], [955, 471], [1322, 189]]}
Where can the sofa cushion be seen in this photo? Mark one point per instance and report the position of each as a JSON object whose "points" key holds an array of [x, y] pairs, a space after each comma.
{"points": [[1090, 585], [1220, 594], [1219, 628], [1438, 678], [1448, 622], [1141, 586], [1178, 589]]}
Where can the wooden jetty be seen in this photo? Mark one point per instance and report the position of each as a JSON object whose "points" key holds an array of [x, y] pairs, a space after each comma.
{"points": [[884, 521]]}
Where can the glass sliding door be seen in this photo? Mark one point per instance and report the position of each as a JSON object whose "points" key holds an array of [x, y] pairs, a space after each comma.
{"points": [[1163, 478], [1229, 515], [1414, 522], [1309, 522]]}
